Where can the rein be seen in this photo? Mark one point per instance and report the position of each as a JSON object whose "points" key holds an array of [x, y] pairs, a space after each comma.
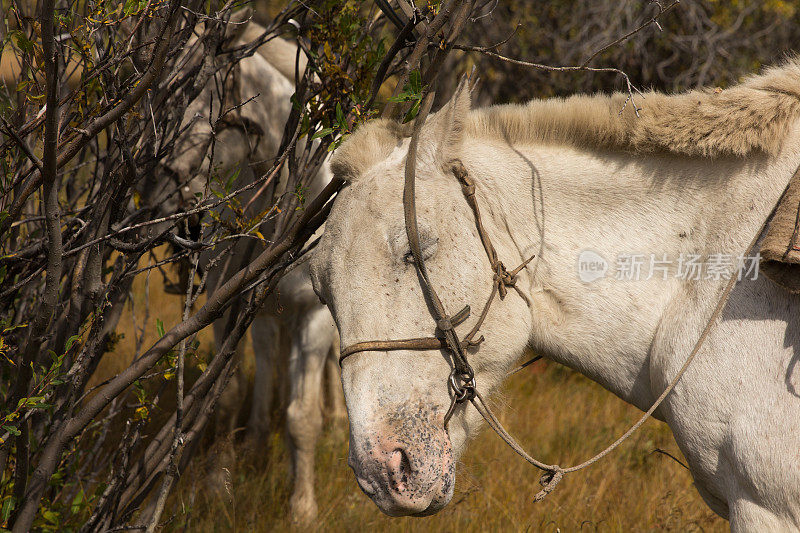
{"points": [[462, 378]]}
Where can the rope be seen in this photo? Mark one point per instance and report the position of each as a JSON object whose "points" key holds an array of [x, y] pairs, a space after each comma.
{"points": [[555, 473]]}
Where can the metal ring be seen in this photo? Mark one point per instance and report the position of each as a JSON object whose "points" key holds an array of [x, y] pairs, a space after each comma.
{"points": [[464, 390]]}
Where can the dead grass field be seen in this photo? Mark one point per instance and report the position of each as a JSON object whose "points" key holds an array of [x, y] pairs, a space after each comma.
{"points": [[559, 416]]}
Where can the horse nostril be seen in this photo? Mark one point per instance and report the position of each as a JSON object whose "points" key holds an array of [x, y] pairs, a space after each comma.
{"points": [[399, 468], [396, 459]]}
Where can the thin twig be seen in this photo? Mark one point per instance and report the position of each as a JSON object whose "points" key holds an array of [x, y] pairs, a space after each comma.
{"points": [[652, 20], [632, 89], [22, 144], [664, 452]]}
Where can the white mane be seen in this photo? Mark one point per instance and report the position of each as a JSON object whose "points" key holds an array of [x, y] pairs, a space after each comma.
{"points": [[754, 116]]}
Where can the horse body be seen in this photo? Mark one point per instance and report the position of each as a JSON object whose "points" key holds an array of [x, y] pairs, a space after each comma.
{"points": [[246, 144], [696, 174], [632, 337], [314, 346]]}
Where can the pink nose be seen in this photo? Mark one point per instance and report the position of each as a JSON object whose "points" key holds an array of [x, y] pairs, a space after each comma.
{"points": [[404, 478]]}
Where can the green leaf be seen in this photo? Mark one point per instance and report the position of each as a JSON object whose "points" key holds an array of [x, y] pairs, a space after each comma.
{"points": [[402, 97], [50, 516], [336, 143], [11, 429], [160, 327], [230, 181], [8, 506], [415, 81], [131, 6], [70, 342], [75, 508], [412, 112], [340, 116], [322, 133], [35, 401], [22, 42]]}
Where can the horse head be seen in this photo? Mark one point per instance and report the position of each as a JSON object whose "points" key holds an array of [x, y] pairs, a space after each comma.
{"points": [[401, 448]]}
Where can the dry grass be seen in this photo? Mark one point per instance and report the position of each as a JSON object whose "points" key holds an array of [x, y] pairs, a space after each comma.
{"points": [[562, 417], [559, 415]]}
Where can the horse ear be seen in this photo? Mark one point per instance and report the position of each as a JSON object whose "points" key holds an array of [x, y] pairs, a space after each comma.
{"points": [[238, 23], [448, 124]]}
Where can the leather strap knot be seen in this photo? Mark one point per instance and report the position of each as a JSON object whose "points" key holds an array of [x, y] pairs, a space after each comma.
{"points": [[467, 185], [444, 324], [503, 278], [463, 386]]}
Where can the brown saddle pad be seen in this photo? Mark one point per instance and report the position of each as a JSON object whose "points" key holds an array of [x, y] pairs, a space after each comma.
{"points": [[780, 249]]}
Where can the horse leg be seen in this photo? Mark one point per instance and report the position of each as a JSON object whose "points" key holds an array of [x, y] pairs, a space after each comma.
{"points": [[264, 336], [304, 414]]}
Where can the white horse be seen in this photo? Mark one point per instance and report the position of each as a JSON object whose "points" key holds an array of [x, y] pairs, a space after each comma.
{"points": [[695, 174], [246, 144]]}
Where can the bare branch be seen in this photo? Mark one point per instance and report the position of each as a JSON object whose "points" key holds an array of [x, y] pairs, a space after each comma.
{"points": [[653, 20]]}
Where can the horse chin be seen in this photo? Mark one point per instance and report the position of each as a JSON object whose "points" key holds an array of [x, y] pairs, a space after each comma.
{"points": [[440, 495], [439, 502]]}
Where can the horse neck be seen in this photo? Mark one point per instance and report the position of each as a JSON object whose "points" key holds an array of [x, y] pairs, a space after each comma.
{"points": [[559, 201]]}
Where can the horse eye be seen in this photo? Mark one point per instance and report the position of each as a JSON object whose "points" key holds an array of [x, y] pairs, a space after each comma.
{"points": [[427, 247]]}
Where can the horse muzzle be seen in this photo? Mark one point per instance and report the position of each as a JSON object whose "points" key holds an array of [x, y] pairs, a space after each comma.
{"points": [[406, 468]]}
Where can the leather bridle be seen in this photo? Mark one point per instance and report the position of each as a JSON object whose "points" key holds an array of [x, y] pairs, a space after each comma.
{"points": [[461, 381]]}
